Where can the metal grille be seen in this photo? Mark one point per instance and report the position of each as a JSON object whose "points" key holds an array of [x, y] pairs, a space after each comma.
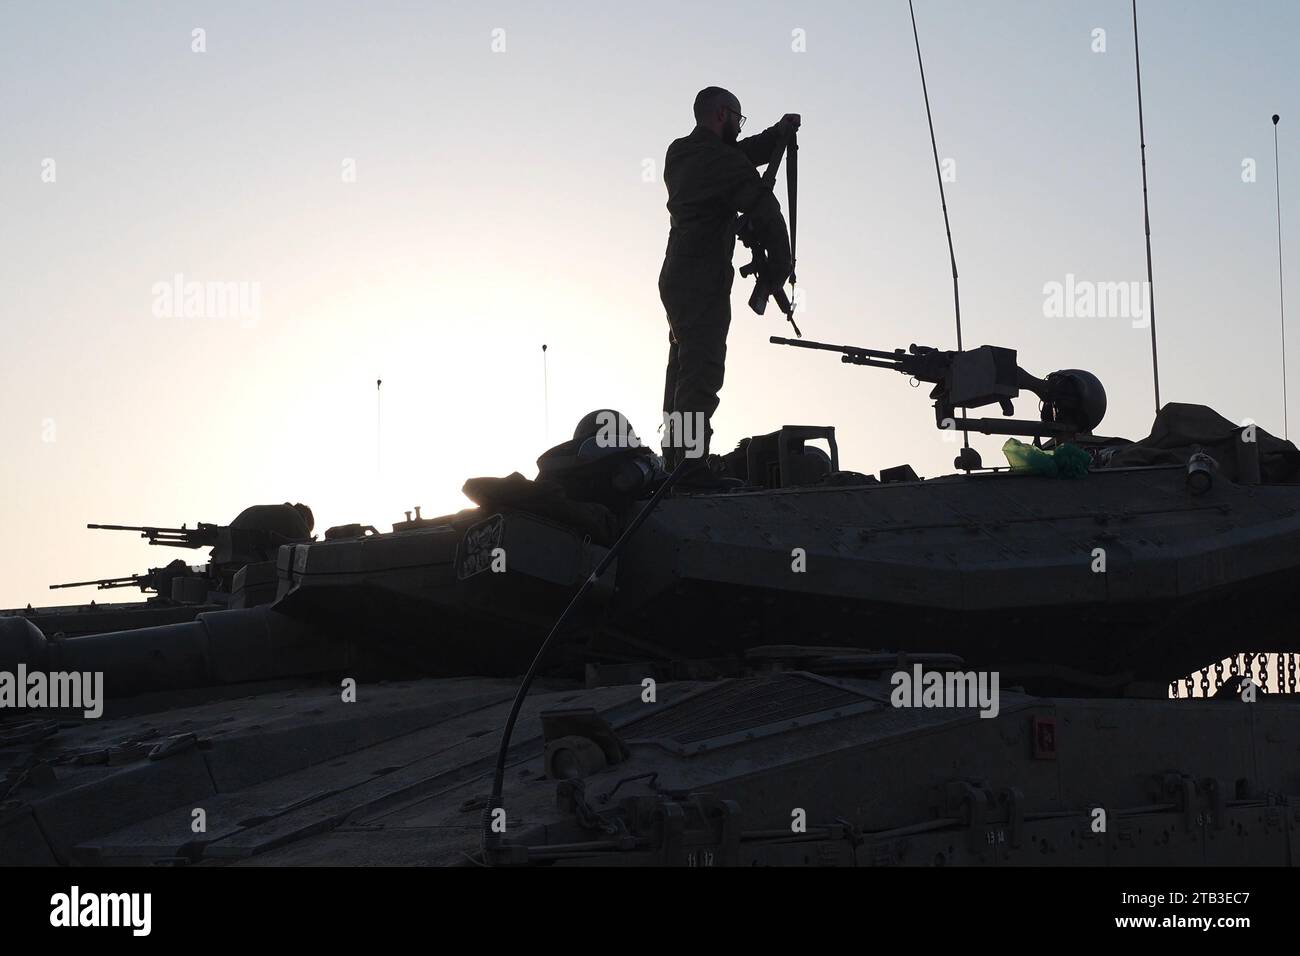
{"points": [[741, 705], [1276, 676]]}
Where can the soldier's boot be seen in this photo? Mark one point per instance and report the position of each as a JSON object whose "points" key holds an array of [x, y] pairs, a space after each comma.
{"points": [[700, 477]]}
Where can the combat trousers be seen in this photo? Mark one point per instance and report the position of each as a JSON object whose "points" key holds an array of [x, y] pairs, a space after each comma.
{"points": [[697, 355]]}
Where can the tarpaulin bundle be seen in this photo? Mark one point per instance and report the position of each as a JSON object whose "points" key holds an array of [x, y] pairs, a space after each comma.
{"points": [[1181, 430]]}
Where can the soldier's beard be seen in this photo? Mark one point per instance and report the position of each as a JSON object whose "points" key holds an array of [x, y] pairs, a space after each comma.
{"points": [[730, 133]]}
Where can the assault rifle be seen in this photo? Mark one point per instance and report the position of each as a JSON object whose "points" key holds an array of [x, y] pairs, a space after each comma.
{"points": [[765, 284]]}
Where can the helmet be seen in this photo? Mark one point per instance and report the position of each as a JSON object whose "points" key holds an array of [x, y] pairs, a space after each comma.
{"points": [[611, 427]]}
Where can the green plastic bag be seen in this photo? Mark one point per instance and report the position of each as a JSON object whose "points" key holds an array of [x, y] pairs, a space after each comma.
{"points": [[1065, 461]]}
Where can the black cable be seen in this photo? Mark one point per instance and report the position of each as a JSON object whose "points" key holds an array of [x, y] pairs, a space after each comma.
{"points": [[498, 778]]}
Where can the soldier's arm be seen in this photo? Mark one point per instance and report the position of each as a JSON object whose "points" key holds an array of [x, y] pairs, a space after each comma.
{"points": [[735, 181], [758, 148], [743, 190]]}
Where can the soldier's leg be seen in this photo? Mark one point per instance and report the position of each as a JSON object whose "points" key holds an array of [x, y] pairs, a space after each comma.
{"points": [[701, 333]]}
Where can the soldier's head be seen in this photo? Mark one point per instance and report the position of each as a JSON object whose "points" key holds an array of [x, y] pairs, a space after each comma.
{"points": [[719, 110], [308, 518]]}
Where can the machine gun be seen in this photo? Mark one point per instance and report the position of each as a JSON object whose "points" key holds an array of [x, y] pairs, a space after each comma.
{"points": [[158, 580], [253, 537], [203, 536], [236, 544], [1074, 401]]}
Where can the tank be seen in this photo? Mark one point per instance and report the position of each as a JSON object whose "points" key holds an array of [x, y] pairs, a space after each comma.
{"points": [[1072, 658], [239, 572]]}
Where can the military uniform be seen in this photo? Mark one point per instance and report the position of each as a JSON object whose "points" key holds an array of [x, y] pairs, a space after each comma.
{"points": [[709, 181]]}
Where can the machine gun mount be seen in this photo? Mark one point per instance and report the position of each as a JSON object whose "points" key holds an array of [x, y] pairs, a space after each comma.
{"points": [[1073, 401]]}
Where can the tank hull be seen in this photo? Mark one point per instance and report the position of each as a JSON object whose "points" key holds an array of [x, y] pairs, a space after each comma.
{"points": [[298, 776]]}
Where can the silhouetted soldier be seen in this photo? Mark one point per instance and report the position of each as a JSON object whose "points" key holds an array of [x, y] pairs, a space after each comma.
{"points": [[711, 177], [290, 522], [257, 532]]}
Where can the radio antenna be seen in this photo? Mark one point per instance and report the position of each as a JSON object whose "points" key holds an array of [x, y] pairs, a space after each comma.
{"points": [[1146, 211], [1281, 302], [943, 201], [952, 256], [546, 402]]}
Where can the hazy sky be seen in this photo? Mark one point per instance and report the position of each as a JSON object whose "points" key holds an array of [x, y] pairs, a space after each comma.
{"points": [[506, 198]]}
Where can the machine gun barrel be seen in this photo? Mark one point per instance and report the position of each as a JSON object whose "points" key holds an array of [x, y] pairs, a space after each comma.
{"points": [[852, 353], [203, 536], [922, 362], [126, 581]]}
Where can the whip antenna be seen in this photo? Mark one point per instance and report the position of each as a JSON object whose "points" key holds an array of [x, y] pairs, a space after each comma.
{"points": [[956, 297], [1146, 211], [952, 256], [1281, 303], [546, 402]]}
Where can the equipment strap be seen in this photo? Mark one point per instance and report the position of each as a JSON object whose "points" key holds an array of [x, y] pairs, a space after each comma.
{"points": [[792, 197], [787, 145]]}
